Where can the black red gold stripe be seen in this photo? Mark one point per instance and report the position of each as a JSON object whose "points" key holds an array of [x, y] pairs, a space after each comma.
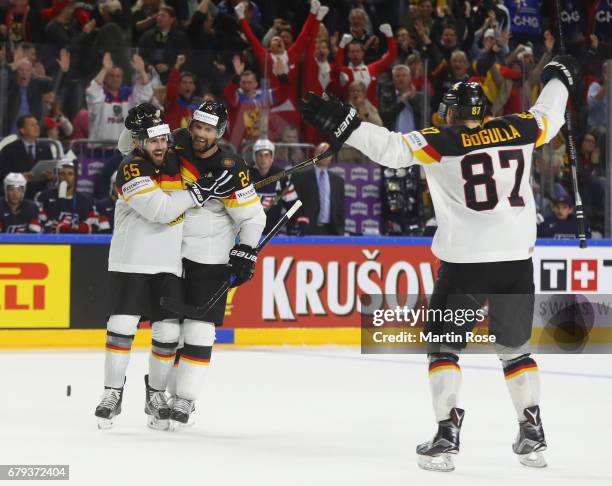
{"points": [[443, 364]]}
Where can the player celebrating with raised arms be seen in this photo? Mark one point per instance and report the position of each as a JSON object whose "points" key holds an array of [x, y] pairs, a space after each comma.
{"points": [[145, 258], [478, 175]]}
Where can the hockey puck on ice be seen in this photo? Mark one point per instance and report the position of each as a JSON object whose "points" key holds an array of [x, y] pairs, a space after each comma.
{"points": [[68, 390]]}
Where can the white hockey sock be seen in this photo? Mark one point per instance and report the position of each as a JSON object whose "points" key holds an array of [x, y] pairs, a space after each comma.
{"points": [[172, 374], [163, 351], [444, 382], [192, 370], [523, 380], [119, 336]]}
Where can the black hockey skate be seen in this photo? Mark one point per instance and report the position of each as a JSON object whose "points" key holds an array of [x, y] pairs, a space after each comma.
{"points": [[530, 441], [109, 407], [181, 410], [156, 407], [435, 455]]}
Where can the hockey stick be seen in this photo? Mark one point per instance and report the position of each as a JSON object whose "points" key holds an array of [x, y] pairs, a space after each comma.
{"points": [[573, 159], [198, 311], [296, 168]]}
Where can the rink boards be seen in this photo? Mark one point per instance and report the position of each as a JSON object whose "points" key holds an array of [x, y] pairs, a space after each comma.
{"points": [[53, 287]]}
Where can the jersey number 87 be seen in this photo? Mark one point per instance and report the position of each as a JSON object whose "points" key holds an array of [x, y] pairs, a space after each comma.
{"points": [[486, 179]]}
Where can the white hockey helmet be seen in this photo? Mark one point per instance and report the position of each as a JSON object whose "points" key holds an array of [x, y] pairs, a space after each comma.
{"points": [[14, 179], [263, 144]]}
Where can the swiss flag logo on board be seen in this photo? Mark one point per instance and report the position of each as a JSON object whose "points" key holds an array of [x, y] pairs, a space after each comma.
{"points": [[584, 274]]}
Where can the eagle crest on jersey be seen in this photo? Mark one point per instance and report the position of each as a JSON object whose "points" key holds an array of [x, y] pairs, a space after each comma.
{"points": [[192, 168], [428, 144]]}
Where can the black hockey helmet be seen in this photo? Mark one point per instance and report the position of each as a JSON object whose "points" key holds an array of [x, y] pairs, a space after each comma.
{"points": [[214, 113], [145, 121], [468, 100]]}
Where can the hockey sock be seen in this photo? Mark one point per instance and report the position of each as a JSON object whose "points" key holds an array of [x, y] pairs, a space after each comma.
{"points": [[171, 386], [163, 351], [523, 380], [119, 336], [444, 382], [192, 370]]}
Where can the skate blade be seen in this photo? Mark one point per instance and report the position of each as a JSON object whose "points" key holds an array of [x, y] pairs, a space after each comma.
{"points": [[157, 424], [105, 424], [533, 459], [441, 463], [175, 426]]}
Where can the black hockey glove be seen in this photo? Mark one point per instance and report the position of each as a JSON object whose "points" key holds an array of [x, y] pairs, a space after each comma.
{"points": [[330, 115], [564, 68], [143, 110], [210, 186], [241, 265]]}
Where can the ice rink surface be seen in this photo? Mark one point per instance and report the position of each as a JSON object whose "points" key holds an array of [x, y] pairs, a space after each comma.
{"points": [[303, 416]]}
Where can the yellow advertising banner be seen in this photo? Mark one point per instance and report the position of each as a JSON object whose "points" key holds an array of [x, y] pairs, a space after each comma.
{"points": [[34, 286]]}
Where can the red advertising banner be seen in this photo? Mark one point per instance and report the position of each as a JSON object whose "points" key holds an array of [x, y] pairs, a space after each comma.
{"points": [[319, 285]]}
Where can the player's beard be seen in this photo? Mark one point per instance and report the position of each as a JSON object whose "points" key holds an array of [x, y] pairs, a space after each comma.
{"points": [[202, 145], [157, 156]]}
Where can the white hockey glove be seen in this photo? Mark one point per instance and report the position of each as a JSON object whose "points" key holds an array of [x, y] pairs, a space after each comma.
{"points": [[314, 6], [208, 187]]}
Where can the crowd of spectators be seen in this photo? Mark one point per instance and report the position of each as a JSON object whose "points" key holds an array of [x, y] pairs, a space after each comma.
{"points": [[71, 70]]}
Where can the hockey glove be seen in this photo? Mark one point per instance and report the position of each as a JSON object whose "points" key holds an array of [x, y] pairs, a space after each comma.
{"points": [[208, 187], [564, 68], [241, 265], [330, 115], [136, 113]]}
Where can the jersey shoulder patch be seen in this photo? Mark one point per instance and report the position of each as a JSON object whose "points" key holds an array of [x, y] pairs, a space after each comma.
{"points": [[430, 144], [135, 166], [235, 164], [136, 175]]}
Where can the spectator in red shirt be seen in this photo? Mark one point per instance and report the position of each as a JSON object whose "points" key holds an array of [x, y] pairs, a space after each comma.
{"points": [[281, 61], [179, 95], [357, 70]]}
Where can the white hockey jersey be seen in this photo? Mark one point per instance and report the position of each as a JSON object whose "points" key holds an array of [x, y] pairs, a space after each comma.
{"points": [[478, 178], [149, 217], [107, 112], [210, 232]]}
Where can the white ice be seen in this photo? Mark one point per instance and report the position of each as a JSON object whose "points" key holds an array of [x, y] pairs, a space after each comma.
{"points": [[303, 416]]}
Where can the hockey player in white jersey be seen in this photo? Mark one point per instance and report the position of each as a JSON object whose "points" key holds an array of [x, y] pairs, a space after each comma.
{"points": [[478, 174], [210, 252], [145, 258]]}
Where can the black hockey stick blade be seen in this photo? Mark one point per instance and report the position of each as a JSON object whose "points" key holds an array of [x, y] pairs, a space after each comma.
{"points": [[182, 309], [296, 168]]}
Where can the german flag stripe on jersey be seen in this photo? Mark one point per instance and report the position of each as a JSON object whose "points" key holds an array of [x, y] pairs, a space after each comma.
{"points": [[542, 131], [163, 357], [195, 360], [427, 155], [189, 172], [171, 182], [423, 151], [443, 364], [232, 202], [113, 348], [523, 365]]}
